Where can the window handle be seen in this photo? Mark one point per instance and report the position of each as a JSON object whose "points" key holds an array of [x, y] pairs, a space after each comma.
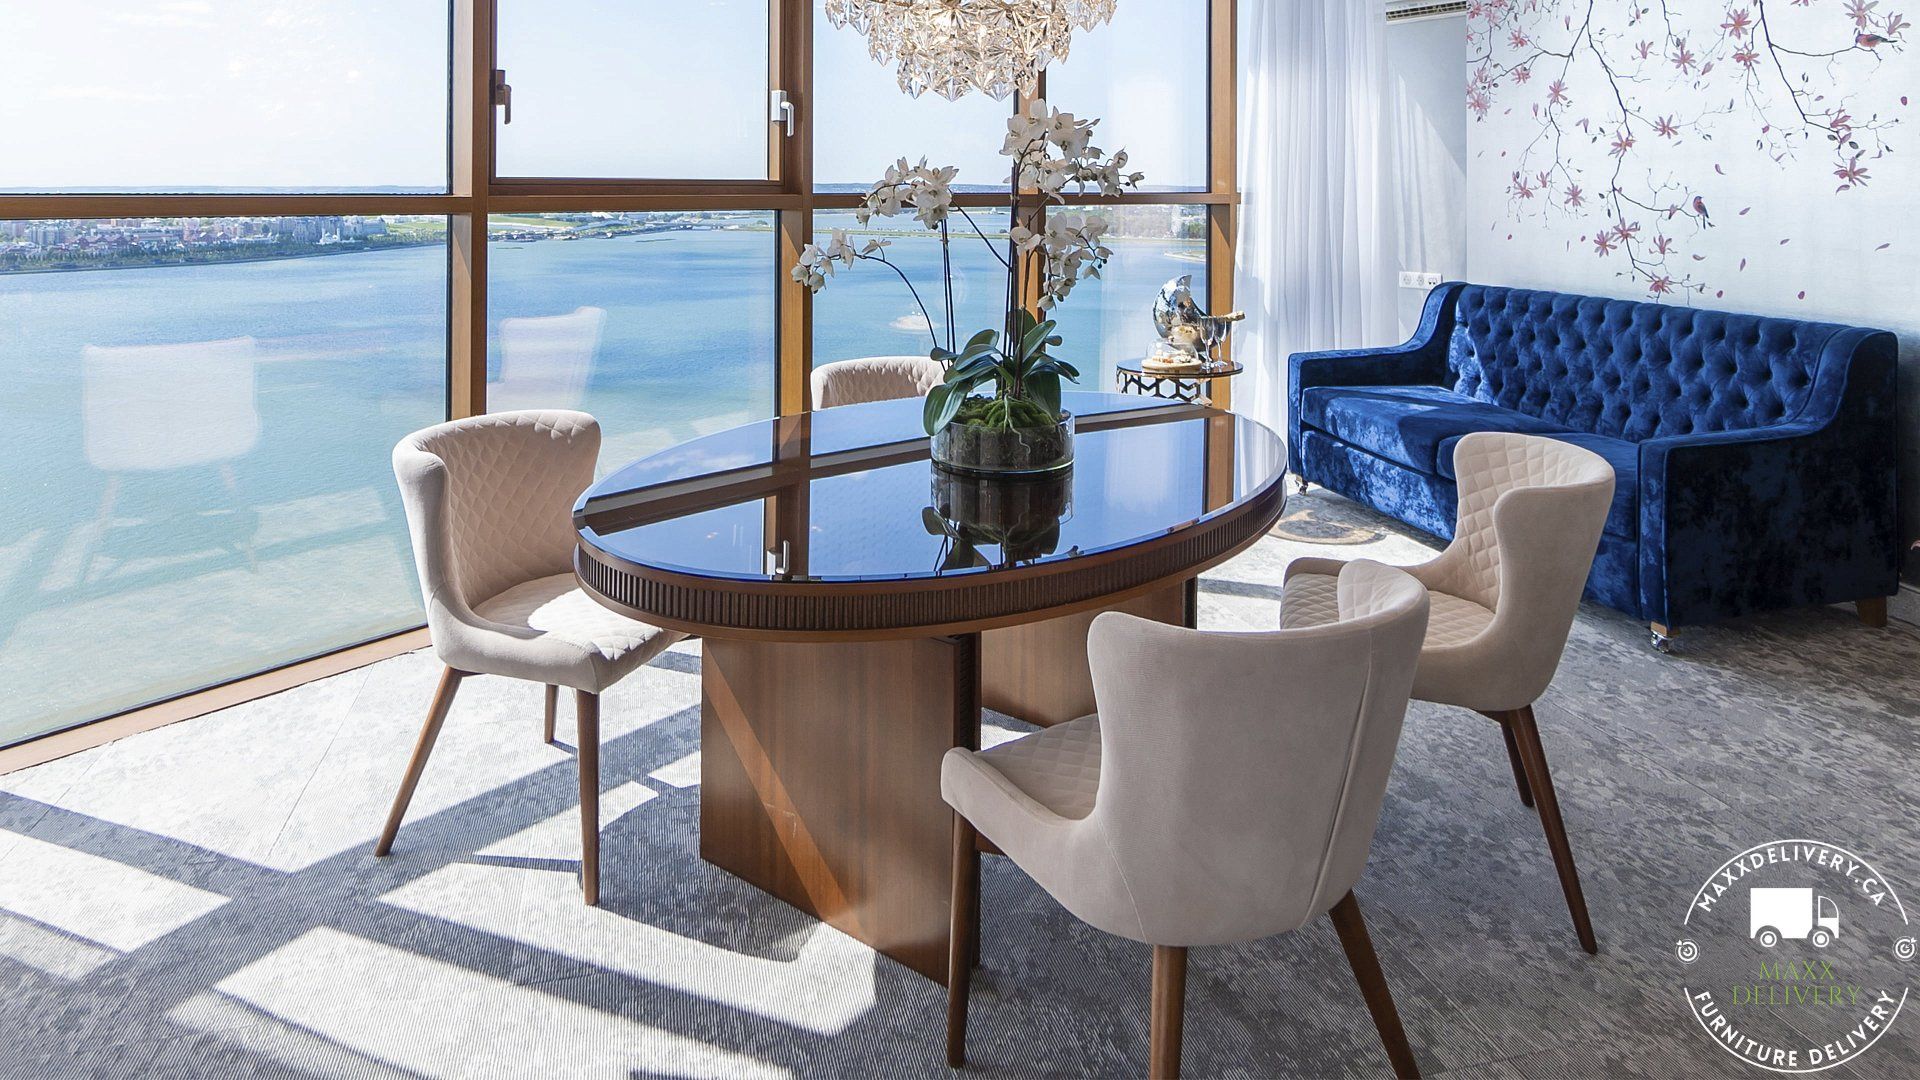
{"points": [[503, 93], [780, 110]]}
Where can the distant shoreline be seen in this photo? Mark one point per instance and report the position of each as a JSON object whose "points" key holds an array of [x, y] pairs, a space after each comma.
{"points": [[281, 257], [440, 241]]}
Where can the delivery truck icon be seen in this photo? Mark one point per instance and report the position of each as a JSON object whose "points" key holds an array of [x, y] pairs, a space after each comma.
{"points": [[1791, 913]]}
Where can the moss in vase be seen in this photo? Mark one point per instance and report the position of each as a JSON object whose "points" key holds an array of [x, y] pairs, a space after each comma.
{"points": [[1003, 414]]}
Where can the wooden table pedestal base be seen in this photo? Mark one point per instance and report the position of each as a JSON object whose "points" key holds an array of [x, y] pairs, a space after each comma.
{"points": [[820, 763]]}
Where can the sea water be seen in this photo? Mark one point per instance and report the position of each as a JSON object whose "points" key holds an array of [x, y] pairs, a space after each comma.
{"points": [[188, 534]]}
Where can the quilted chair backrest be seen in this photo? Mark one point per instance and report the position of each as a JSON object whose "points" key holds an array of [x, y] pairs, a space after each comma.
{"points": [[1631, 370], [874, 378], [490, 501], [1531, 511], [1241, 774]]}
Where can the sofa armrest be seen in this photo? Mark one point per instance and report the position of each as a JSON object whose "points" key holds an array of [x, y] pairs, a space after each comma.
{"points": [[1421, 360], [1796, 513]]}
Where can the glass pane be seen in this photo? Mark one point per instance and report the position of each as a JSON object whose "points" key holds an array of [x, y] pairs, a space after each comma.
{"points": [[1144, 76], [863, 122], [224, 95], [866, 310], [612, 88], [661, 325], [197, 426], [1110, 318]]}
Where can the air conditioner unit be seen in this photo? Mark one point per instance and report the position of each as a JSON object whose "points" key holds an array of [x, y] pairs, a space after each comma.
{"points": [[1408, 10]]}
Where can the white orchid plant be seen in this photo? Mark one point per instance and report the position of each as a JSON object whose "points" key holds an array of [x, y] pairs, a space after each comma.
{"points": [[1052, 151]]}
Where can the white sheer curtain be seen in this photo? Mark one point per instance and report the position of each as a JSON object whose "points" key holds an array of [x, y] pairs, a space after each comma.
{"points": [[1316, 253]]}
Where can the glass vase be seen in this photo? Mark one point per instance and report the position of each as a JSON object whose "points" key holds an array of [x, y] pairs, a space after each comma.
{"points": [[984, 451]]}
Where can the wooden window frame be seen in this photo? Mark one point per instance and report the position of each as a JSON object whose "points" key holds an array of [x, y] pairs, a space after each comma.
{"points": [[474, 193]]}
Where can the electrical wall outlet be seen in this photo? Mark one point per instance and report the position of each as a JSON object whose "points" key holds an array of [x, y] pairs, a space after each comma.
{"points": [[1417, 279]]}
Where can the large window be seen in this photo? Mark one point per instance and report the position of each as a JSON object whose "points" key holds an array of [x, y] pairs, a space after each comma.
{"points": [[869, 311], [1145, 76], [246, 247], [1109, 318], [195, 424], [613, 88], [659, 324], [864, 123]]}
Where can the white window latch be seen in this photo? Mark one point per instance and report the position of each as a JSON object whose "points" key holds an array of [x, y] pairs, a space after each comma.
{"points": [[780, 110]]}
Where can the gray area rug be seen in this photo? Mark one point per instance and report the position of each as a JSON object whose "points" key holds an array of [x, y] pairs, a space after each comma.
{"points": [[201, 900]]}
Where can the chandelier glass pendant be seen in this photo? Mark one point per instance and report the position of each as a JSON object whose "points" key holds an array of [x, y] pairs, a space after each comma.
{"points": [[954, 46]]}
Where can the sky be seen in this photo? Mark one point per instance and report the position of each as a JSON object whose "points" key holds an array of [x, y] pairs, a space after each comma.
{"points": [[351, 94], [222, 93]]}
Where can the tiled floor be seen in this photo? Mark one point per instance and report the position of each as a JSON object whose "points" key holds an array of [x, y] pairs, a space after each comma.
{"points": [[201, 901]]}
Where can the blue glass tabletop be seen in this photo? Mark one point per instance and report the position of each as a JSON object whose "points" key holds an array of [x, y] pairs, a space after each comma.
{"points": [[851, 494]]}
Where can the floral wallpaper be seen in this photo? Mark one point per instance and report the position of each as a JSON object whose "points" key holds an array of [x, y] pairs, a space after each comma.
{"points": [[1749, 154]]}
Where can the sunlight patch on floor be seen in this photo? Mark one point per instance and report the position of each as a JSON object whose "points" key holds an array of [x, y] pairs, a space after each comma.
{"points": [[98, 900], [416, 1013], [557, 836], [258, 1033], [57, 954], [684, 773], [808, 992]]}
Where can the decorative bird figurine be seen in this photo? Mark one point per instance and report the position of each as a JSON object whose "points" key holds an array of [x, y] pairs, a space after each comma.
{"points": [[1700, 207], [1870, 41], [1183, 325]]}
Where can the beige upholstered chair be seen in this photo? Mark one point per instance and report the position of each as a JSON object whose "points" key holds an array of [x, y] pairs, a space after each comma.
{"points": [[1226, 791], [874, 378], [490, 503], [1504, 597]]}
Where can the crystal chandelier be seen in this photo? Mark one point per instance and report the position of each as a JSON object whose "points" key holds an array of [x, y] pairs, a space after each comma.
{"points": [[953, 46]]}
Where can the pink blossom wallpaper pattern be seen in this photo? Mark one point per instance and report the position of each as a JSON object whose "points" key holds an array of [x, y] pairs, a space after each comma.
{"points": [[1734, 153]]}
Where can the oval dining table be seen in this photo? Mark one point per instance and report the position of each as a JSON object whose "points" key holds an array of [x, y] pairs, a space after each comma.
{"points": [[858, 607]]}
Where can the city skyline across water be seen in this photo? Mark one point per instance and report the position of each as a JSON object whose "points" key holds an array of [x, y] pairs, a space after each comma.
{"points": [[59, 244]]}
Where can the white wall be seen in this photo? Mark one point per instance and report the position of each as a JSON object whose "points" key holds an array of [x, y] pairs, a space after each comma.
{"points": [[1429, 152]]}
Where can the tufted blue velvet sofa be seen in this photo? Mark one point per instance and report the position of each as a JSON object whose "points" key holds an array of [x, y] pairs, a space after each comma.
{"points": [[1754, 456]]}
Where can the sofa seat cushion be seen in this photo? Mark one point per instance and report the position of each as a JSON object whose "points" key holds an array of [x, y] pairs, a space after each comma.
{"points": [[1623, 516], [1407, 424]]}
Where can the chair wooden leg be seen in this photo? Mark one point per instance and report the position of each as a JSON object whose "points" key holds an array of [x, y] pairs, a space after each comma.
{"points": [[962, 940], [1873, 611], [422, 748], [1527, 735], [587, 711], [974, 935], [1373, 985], [553, 708], [1519, 769], [1169, 1010]]}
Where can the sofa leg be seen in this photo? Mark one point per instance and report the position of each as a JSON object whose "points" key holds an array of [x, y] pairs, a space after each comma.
{"points": [[1873, 611], [1663, 637]]}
